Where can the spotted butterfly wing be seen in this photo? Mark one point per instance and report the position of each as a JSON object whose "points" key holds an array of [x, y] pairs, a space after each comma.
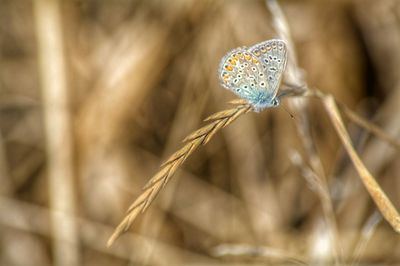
{"points": [[255, 78], [242, 73], [273, 56]]}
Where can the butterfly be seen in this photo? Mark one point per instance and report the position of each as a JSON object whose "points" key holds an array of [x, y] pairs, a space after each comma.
{"points": [[255, 73]]}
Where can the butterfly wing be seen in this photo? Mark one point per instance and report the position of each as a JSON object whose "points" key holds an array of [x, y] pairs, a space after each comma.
{"points": [[242, 73], [272, 55]]}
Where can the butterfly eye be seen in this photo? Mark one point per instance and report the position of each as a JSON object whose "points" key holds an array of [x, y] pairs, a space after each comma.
{"points": [[245, 87], [270, 57], [275, 58], [262, 84], [237, 89], [254, 69], [246, 65], [279, 60], [273, 69], [252, 84], [240, 71], [235, 81], [239, 76], [261, 75], [270, 78]]}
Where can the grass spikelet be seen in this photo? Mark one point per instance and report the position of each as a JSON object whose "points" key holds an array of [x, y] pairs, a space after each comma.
{"points": [[200, 137]]}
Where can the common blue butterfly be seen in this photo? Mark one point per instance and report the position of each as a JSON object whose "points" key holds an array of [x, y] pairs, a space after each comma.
{"points": [[255, 73]]}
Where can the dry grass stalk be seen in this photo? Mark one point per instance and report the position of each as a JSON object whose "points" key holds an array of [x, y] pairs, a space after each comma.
{"points": [[297, 86], [369, 126], [381, 200], [58, 128], [262, 253], [200, 137], [28, 217], [367, 232]]}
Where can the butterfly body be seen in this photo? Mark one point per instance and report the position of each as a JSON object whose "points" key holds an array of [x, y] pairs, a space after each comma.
{"points": [[255, 73]]}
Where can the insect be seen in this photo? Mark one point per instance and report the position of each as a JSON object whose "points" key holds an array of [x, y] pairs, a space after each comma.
{"points": [[255, 73]]}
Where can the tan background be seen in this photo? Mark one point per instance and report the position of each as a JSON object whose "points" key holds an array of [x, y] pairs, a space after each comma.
{"points": [[139, 76]]}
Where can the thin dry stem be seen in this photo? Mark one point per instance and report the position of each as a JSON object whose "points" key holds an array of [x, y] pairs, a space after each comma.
{"points": [[369, 126], [294, 77], [367, 232], [263, 252], [169, 167], [378, 195], [27, 217], [59, 146]]}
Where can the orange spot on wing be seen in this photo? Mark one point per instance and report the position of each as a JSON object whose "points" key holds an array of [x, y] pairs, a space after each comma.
{"points": [[232, 61], [230, 68]]}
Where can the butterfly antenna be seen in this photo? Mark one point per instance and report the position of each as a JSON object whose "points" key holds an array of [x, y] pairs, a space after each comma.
{"points": [[291, 116]]}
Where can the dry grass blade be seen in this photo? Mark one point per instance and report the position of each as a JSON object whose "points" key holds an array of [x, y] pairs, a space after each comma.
{"points": [[369, 126], [261, 252], [169, 167], [382, 201]]}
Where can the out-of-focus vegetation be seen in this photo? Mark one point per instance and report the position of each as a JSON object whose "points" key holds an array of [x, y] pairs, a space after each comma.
{"points": [[89, 109]]}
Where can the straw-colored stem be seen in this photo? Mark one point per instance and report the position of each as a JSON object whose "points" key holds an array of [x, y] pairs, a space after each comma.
{"points": [[58, 132], [169, 167], [297, 86], [378, 195], [369, 126]]}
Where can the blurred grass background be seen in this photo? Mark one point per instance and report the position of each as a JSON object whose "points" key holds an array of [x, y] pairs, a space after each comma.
{"points": [[89, 108]]}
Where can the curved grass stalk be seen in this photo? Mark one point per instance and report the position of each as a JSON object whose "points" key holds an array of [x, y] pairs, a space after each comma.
{"points": [[199, 137]]}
